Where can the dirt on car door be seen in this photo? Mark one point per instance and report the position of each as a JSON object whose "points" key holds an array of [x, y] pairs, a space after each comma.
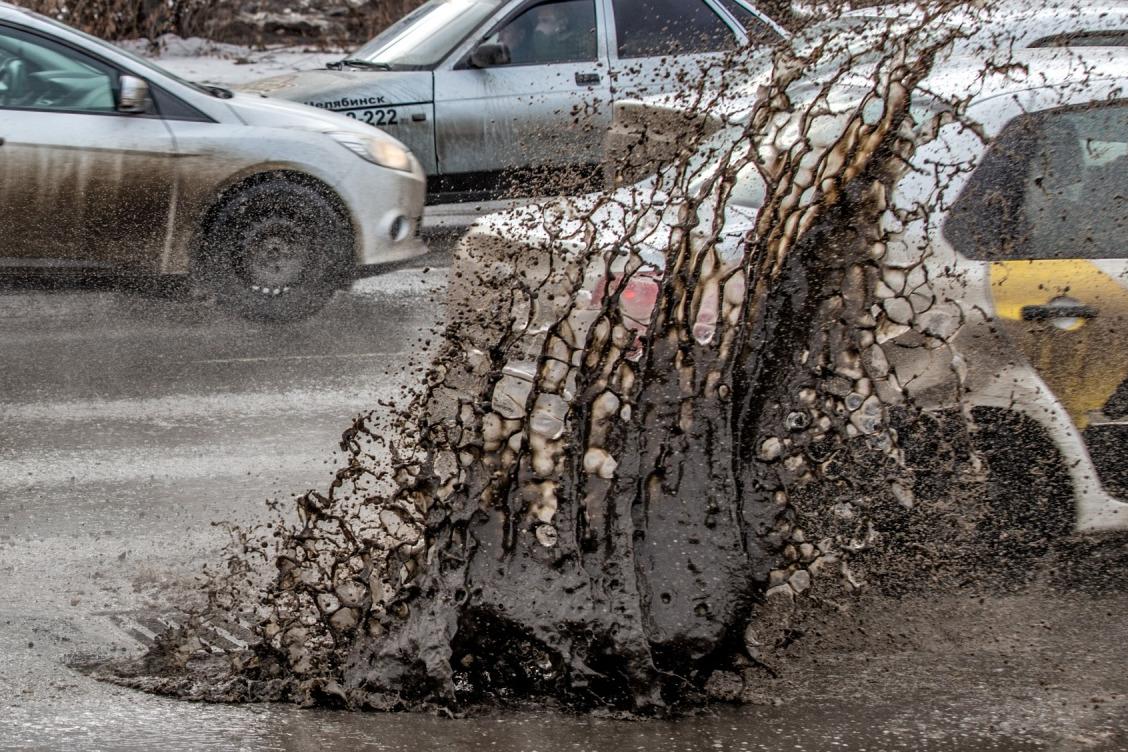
{"points": [[79, 181], [547, 107]]}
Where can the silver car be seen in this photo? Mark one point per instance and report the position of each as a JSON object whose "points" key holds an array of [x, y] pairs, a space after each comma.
{"points": [[481, 88], [110, 164]]}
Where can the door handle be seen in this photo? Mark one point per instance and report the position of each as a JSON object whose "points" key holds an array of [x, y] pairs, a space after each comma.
{"points": [[587, 79], [1052, 311]]}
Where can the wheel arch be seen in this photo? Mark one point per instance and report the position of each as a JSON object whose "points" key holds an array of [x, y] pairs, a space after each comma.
{"points": [[997, 423], [242, 182]]}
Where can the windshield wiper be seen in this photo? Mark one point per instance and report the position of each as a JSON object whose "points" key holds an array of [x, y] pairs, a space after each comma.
{"points": [[353, 62]]}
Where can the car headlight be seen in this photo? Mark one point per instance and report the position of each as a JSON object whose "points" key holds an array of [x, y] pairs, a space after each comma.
{"points": [[375, 150]]}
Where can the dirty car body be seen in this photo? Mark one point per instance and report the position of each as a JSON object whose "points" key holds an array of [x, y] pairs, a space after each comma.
{"points": [[484, 89], [1008, 299], [110, 164], [649, 130]]}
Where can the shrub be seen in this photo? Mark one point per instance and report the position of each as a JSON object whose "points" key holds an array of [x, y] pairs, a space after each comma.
{"points": [[215, 19], [122, 19]]}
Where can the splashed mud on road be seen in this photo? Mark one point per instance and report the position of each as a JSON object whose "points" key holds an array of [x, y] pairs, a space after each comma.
{"points": [[638, 510]]}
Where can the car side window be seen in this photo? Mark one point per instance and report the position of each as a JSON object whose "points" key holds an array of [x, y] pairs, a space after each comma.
{"points": [[562, 31], [1053, 185], [37, 74], [1084, 39], [759, 31], [649, 28]]}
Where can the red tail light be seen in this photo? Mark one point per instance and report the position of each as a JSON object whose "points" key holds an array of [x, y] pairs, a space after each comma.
{"points": [[636, 298]]}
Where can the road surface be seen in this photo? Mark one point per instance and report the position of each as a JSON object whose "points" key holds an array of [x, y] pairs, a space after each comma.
{"points": [[131, 421]]}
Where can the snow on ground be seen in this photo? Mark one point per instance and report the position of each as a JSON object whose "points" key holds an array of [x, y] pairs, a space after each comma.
{"points": [[198, 59]]}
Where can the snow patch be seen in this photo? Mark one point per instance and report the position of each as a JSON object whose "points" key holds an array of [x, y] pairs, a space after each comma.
{"points": [[198, 59]]}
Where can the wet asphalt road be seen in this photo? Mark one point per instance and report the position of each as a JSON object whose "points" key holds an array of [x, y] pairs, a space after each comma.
{"points": [[130, 422]]}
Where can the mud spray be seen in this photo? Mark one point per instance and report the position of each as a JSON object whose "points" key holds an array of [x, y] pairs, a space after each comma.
{"points": [[614, 509]]}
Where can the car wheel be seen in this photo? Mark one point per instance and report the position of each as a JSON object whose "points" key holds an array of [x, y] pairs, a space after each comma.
{"points": [[275, 251], [1029, 502]]}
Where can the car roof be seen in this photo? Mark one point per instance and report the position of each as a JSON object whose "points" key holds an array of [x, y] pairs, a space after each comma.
{"points": [[1023, 23], [967, 78]]}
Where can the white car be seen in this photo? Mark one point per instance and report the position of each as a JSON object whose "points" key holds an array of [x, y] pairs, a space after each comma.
{"points": [[486, 90], [645, 131], [111, 165], [1007, 301]]}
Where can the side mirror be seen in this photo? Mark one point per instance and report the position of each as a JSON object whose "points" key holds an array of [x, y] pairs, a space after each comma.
{"points": [[489, 55], [134, 95]]}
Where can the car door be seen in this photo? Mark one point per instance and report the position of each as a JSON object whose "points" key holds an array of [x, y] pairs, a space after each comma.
{"points": [[81, 184], [1048, 209], [662, 46], [546, 107]]}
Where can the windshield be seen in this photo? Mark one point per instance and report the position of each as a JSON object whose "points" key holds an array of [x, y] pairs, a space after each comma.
{"points": [[426, 36]]}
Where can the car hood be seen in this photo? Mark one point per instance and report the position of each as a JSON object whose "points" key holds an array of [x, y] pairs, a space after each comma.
{"points": [[268, 112], [345, 89]]}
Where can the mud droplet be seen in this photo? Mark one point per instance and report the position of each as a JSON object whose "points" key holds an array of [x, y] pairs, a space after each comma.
{"points": [[546, 535], [771, 449], [903, 494], [800, 581], [344, 620]]}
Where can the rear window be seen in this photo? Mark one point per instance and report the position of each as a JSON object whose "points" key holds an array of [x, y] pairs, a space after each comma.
{"points": [[1085, 39], [1053, 185]]}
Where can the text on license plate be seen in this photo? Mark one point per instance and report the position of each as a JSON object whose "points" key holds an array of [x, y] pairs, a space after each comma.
{"points": [[376, 116]]}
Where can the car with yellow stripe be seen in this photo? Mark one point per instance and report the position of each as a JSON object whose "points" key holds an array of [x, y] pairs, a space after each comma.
{"points": [[1002, 302], [1009, 300]]}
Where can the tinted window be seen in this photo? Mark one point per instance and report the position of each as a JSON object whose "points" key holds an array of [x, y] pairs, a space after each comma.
{"points": [[668, 27], [759, 31], [1085, 39], [95, 43], [37, 74], [1053, 185], [553, 32]]}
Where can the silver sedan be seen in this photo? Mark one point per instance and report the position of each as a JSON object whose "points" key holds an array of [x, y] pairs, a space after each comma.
{"points": [[111, 164]]}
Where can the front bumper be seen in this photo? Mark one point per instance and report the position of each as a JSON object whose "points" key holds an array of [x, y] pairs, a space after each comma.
{"points": [[387, 214]]}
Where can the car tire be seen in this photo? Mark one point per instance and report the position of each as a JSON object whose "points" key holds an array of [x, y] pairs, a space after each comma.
{"points": [[275, 251], [1029, 496]]}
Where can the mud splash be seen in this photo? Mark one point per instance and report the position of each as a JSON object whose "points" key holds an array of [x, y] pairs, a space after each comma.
{"points": [[610, 506]]}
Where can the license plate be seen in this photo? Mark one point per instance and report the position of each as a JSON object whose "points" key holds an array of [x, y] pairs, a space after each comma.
{"points": [[377, 116]]}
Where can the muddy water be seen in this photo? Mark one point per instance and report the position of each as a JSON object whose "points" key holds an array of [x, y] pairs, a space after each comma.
{"points": [[1011, 674], [848, 727], [758, 729], [496, 569], [606, 546], [958, 673]]}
